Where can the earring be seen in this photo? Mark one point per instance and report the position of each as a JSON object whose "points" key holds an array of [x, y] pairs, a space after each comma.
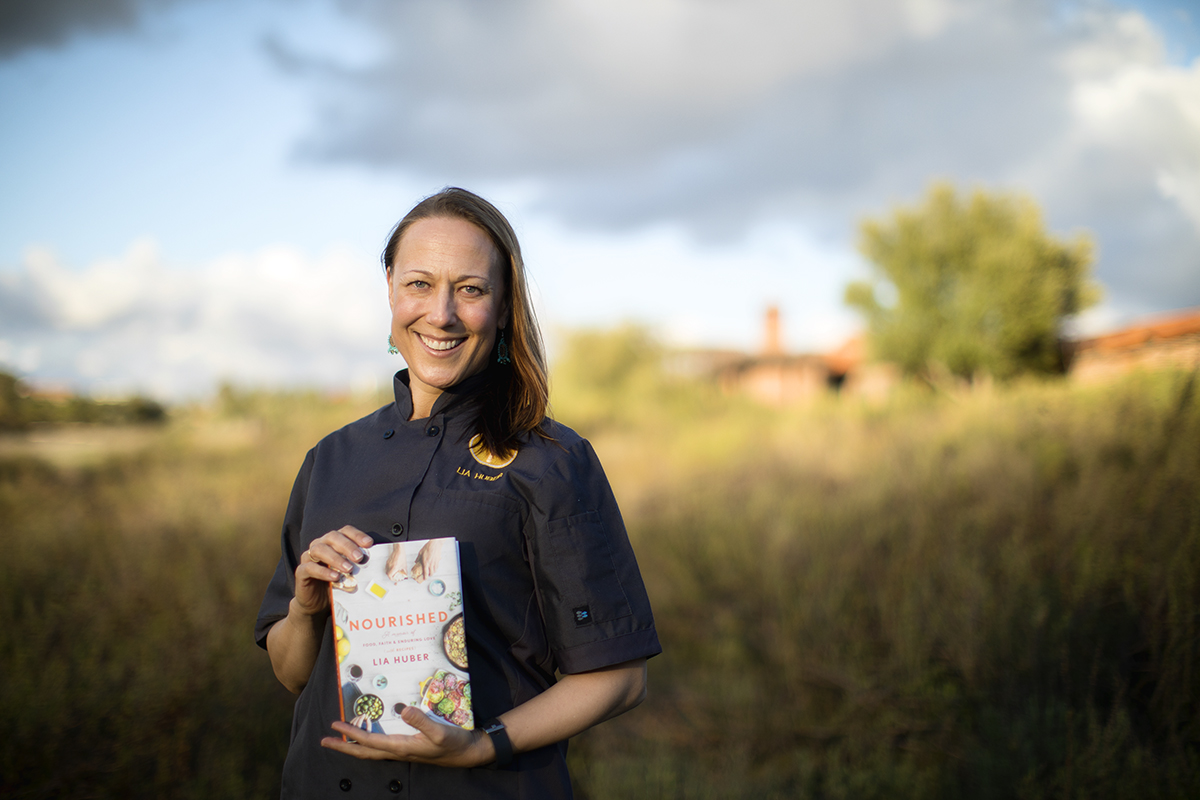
{"points": [[502, 351], [392, 346]]}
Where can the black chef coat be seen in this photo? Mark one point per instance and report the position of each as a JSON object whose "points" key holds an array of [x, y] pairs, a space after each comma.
{"points": [[550, 582]]}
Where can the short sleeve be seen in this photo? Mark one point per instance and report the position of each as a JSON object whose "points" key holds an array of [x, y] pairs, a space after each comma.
{"points": [[282, 587], [593, 600]]}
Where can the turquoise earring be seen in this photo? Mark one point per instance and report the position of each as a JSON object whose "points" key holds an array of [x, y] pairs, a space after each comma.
{"points": [[502, 350], [392, 346]]}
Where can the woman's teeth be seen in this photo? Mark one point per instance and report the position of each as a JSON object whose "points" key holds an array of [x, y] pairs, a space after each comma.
{"points": [[437, 344]]}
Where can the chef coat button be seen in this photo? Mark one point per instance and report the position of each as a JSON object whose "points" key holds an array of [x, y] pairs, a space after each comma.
{"points": [[345, 784], [395, 786], [389, 433], [397, 529], [434, 431]]}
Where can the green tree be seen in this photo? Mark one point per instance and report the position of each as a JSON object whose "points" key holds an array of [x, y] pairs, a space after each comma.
{"points": [[12, 409], [18, 410], [970, 285], [606, 376]]}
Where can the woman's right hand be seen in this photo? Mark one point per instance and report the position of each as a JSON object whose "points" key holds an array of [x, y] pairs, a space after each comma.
{"points": [[294, 641], [325, 561]]}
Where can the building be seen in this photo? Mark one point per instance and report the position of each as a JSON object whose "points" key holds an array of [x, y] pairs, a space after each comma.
{"points": [[780, 379], [1170, 340]]}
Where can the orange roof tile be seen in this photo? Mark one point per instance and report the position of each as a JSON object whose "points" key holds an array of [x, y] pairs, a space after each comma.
{"points": [[1180, 324]]}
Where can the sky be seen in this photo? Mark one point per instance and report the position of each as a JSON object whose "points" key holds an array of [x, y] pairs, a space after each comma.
{"points": [[196, 191]]}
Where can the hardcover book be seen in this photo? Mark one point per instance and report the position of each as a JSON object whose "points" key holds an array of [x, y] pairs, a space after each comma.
{"points": [[400, 637]]}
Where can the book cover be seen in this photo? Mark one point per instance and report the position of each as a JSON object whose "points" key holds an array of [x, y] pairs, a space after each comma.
{"points": [[400, 637]]}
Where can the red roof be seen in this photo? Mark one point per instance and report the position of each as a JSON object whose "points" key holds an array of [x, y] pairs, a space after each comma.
{"points": [[1167, 327], [849, 355]]}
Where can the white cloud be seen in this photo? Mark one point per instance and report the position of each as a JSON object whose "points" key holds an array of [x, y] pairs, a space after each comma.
{"points": [[585, 96], [1127, 163], [682, 162], [274, 317], [720, 116], [1183, 186], [277, 317], [1150, 112]]}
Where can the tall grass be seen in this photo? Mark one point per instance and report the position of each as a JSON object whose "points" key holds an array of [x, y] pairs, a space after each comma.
{"points": [[130, 587], [989, 595]]}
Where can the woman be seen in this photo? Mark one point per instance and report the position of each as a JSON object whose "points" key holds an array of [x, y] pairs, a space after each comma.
{"points": [[550, 584]]}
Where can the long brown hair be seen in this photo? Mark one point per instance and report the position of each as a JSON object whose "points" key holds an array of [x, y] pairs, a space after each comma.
{"points": [[515, 396]]}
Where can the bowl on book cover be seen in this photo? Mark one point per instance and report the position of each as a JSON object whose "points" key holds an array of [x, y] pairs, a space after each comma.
{"points": [[368, 705], [454, 641], [447, 696]]}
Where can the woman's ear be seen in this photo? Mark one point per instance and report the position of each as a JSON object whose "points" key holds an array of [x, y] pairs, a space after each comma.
{"points": [[388, 277]]}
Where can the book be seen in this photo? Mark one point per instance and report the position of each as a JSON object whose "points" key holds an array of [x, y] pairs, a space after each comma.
{"points": [[400, 637]]}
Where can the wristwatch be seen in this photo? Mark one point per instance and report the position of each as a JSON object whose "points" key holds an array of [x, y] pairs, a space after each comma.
{"points": [[494, 728]]}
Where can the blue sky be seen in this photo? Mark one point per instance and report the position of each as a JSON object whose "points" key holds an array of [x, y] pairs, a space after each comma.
{"points": [[196, 190]]}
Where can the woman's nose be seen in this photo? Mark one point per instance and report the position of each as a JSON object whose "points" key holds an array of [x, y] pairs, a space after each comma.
{"points": [[442, 312]]}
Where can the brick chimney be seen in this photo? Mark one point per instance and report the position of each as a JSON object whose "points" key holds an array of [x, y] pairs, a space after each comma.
{"points": [[772, 335]]}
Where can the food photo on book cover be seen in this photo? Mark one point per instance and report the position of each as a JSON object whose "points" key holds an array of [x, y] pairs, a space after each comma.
{"points": [[400, 637]]}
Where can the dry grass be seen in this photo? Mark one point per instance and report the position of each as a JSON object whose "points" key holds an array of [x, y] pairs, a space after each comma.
{"points": [[993, 595], [987, 596]]}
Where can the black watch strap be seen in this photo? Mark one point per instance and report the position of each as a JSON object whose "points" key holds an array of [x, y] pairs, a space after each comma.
{"points": [[494, 728]]}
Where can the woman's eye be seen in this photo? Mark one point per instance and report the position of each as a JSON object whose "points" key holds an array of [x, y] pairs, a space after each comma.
{"points": [[472, 290], [418, 284]]}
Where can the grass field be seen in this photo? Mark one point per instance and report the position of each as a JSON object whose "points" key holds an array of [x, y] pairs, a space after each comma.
{"points": [[980, 595]]}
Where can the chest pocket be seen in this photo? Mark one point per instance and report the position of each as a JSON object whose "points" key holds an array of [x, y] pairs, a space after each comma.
{"points": [[487, 521], [448, 509]]}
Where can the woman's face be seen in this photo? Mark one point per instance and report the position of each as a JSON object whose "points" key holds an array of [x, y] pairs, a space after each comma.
{"points": [[447, 298]]}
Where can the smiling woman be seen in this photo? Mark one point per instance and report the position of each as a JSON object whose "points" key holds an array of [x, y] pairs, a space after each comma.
{"points": [[466, 242], [550, 583], [446, 290]]}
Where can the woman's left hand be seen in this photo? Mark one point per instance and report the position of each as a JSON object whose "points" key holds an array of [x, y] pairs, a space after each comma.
{"points": [[434, 743]]}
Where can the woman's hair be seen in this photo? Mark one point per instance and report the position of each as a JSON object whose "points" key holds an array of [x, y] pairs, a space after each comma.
{"points": [[516, 396]]}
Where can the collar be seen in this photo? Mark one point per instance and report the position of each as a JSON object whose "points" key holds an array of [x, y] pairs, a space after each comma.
{"points": [[450, 402]]}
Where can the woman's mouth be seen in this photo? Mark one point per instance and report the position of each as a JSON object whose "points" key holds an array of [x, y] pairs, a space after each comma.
{"points": [[440, 344]]}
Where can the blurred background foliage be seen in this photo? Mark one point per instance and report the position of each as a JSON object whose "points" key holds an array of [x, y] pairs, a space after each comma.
{"points": [[991, 593], [970, 285], [19, 409], [606, 379]]}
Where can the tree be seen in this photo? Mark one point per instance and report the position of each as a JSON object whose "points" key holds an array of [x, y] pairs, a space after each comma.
{"points": [[11, 403], [970, 285]]}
